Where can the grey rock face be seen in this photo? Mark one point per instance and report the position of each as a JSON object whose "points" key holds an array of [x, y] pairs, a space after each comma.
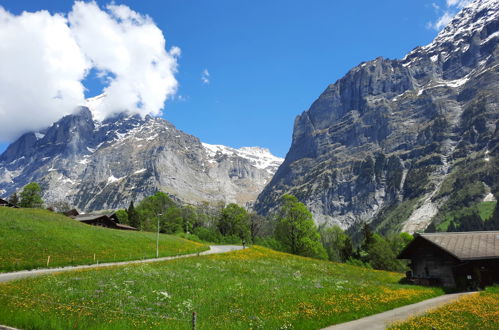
{"points": [[104, 165], [392, 130]]}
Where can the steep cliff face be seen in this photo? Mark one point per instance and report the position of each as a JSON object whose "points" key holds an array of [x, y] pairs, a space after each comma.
{"points": [[104, 165], [382, 141]]}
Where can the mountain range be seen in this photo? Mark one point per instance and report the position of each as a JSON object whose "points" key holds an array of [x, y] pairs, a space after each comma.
{"points": [[395, 142], [398, 142], [95, 165]]}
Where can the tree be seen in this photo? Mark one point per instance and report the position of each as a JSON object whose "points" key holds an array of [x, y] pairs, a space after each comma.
{"points": [[31, 196], [336, 243], [256, 225], [234, 220], [13, 199], [296, 229], [493, 222], [122, 216], [171, 221], [381, 256], [153, 207], [133, 216], [368, 237]]}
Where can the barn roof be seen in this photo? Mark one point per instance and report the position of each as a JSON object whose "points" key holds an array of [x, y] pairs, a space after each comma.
{"points": [[87, 217], [463, 246]]}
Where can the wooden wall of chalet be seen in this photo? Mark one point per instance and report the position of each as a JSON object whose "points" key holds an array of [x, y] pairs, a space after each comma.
{"points": [[430, 262]]}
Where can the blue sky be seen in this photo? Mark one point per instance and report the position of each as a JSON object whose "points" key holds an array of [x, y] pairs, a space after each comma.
{"points": [[267, 60]]}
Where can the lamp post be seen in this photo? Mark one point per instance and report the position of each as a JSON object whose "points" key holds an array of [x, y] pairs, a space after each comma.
{"points": [[157, 237]]}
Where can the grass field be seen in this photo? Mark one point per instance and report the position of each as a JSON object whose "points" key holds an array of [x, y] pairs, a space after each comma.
{"points": [[253, 288], [484, 209], [29, 236], [477, 311]]}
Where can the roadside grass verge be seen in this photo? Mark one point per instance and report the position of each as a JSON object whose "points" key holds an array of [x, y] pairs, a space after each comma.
{"points": [[477, 311], [252, 288], [29, 236]]}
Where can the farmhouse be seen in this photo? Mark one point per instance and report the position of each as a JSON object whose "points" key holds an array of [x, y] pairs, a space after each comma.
{"points": [[3, 202], [102, 220], [465, 260]]}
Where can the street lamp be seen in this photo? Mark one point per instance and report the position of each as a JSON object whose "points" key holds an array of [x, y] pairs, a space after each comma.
{"points": [[157, 238]]}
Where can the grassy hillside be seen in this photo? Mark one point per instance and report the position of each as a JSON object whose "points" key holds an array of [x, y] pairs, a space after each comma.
{"points": [[29, 236], [477, 311], [252, 288], [484, 209]]}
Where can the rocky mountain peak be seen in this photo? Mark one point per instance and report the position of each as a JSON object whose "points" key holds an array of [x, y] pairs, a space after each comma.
{"points": [[104, 164], [391, 133]]}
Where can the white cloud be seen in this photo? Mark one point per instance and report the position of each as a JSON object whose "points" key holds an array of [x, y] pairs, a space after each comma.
{"points": [[445, 15], [205, 77], [44, 59], [129, 50], [41, 69]]}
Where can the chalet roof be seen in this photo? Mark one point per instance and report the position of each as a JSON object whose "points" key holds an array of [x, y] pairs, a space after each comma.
{"points": [[463, 245], [88, 217], [120, 225], [3, 202]]}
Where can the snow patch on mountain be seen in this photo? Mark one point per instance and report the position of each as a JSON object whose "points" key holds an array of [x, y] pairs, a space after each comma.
{"points": [[259, 157]]}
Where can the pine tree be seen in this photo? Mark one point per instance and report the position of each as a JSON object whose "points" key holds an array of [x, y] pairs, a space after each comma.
{"points": [[13, 199], [133, 216]]}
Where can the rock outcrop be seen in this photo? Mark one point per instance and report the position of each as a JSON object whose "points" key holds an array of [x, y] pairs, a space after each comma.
{"points": [[104, 165], [384, 144]]}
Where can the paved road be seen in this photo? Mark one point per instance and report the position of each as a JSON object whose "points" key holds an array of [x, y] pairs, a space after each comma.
{"points": [[383, 320], [4, 277]]}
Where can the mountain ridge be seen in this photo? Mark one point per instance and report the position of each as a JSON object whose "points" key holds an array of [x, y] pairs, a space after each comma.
{"points": [[391, 131], [105, 164]]}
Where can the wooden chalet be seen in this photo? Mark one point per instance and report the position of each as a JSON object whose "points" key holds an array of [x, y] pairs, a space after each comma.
{"points": [[102, 220], [5, 203], [464, 260]]}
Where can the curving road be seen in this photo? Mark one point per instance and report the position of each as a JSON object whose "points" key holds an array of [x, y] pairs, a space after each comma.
{"points": [[4, 277], [383, 320]]}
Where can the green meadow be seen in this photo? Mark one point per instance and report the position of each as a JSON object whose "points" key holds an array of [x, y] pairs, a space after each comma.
{"points": [[255, 288], [29, 236]]}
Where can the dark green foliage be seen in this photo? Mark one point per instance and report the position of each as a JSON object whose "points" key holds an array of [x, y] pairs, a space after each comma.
{"points": [[208, 234], [171, 221], [296, 229], [471, 222], [133, 216], [258, 225], [234, 221], [122, 216], [13, 199], [493, 222], [416, 181], [31, 196], [379, 252], [381, 256], [337, 244]]}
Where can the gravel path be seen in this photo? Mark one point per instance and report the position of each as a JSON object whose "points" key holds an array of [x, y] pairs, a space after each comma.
{"points": [[4, 277], [383, 320]]}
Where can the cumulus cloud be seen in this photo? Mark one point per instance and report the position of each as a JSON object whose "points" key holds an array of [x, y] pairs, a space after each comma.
{"points": [[41, 69], [446, 14], [45, 57], [128, 50], [205, 77]]}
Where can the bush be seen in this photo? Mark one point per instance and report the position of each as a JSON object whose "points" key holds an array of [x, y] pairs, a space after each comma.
{"points": [[208, 234], [270, 242], [190, 237]]}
